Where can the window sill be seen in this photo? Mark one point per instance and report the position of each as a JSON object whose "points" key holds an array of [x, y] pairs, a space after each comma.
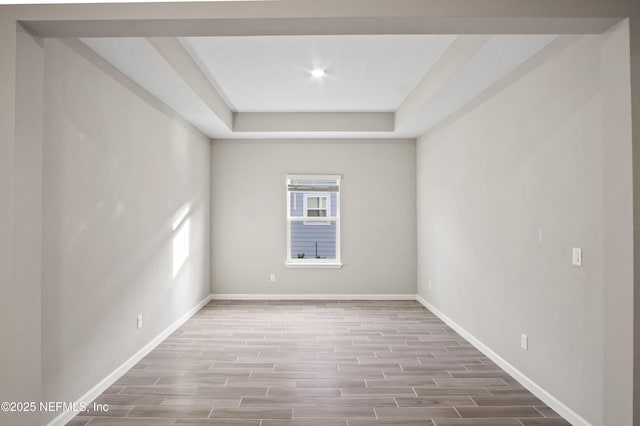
{"points": [[312, 265]]}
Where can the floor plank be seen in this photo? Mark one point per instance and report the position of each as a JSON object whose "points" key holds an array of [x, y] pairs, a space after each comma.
{"points": [[330, 363]]}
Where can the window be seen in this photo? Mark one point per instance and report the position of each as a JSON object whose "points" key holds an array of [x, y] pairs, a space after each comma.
{"points": [[313, 221], [317, 205]]}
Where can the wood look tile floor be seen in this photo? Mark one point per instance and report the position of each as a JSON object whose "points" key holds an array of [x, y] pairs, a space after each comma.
{"points": [[324, 363]]}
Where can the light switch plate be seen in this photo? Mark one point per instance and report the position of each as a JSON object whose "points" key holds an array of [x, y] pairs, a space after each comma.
{"points": [[524, 342], [576, 257]]}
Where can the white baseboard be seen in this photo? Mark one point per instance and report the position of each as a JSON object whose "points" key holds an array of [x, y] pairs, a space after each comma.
{"points": [[274, 296], [97, 390], [566, 412]]}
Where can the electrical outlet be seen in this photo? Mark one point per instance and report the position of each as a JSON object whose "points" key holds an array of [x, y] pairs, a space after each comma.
{"points": [[272, 277], [524, 342], [576, 258], [429, 285], [140, 321]]}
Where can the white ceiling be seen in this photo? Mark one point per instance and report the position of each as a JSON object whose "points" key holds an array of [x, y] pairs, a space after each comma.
{"points": [[365, 73]]}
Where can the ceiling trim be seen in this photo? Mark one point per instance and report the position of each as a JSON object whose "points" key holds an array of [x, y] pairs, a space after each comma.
{"points": [[543, 56], [313, 122], [178, 58], [191, 27], [105, 66], [459, 53]]}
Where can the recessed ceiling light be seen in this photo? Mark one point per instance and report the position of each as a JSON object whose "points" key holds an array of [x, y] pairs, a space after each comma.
{"points": [[318, 73]]}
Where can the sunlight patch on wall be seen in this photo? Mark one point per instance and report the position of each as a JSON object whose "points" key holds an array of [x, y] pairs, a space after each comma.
{"points": [[180, 241]]}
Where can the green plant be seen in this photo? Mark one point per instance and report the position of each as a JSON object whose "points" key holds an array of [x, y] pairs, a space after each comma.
{"points": [[320, 257], [300, 255]]}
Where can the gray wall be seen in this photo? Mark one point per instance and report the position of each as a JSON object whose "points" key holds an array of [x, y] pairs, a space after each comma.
{"points": [[9, 167], [377, 215], [28, 243], [448, 16], [504, 193], [116, 172], [618, 220]]}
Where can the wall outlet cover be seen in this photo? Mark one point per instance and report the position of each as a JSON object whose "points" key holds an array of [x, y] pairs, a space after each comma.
{"points": [[524, 342], [576, 256]]}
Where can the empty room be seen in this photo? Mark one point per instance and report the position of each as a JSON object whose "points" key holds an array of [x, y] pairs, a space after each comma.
{"points": [[322, 213]]}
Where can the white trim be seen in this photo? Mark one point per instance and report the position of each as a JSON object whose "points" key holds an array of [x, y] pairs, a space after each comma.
{"points": [[312, 218], [333, 296], [314, 177], [338, 223], [287, 254], [112, 377], [316, 264], [553, 402]]}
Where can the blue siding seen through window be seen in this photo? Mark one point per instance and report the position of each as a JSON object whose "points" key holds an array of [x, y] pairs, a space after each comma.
{"points": [[313, 240]]}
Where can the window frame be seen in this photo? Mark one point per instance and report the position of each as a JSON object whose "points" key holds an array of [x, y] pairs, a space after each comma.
{"points": [[308, 262]]}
